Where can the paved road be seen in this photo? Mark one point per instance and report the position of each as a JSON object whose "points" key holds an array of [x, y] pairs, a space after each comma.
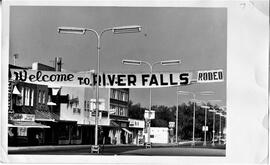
{"points": [[176, 151], [161, 150]]}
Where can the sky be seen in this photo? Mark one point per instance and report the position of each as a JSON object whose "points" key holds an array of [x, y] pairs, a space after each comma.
{"points": [[196, 36]]}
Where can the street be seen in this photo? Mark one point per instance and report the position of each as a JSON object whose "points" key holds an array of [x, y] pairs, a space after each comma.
{"points": [[156, 150]]}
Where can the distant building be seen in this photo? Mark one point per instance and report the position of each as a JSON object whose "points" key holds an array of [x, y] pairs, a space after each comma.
{"points": [[158, 135], [136, 127], [80, 109], [119, 133]]}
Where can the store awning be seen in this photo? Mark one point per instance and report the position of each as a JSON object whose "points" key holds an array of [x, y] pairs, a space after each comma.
{"points": [[27, 124], [126, 130], [114, 124], [46, 116]]}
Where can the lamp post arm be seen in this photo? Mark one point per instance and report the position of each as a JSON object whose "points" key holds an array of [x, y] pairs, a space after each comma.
{"points": [[98, 35], [150, 65]]}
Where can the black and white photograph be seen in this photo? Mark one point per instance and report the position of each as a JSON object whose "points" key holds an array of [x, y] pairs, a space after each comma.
{"points": [[125, 80]]}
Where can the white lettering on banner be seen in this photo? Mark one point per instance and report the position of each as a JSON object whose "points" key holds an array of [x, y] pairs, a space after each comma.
{"points": [[108, 80], [210, 76]]}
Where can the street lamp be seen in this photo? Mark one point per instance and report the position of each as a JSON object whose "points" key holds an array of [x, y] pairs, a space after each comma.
{"points": [[205, 119], [82, 31], [205, 115], [137, 62], [220, 115], [194, 109], [214, 116]]}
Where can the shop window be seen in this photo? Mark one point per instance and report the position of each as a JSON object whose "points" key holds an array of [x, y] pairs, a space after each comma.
{"points": [[88, 105], [115, 94], [39, 96], [18, 100], [22, 94], [104, 114], [27, 97], [32, 98], [76, 110], [22, 131], [119, 95], [63, 132], [125, 111], [121, 111], [112, 93], [44, 97], [76, 132], [113, 107], [125, 97], [117, 110]]}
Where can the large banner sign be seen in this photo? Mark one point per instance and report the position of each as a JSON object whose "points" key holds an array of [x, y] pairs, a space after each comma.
{"points": [[106, 80], [210, 76]]}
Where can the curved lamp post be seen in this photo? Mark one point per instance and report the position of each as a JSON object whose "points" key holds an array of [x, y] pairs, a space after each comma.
{"points": [[137, 62], [82, 31]]}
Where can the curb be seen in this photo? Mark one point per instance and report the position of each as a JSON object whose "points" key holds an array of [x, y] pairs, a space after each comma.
{"points": [[54, 148], [70, 147]]}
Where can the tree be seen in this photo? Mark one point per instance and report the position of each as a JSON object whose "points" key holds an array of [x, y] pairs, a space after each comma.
{"points": [[135, 111], [165, 114]]}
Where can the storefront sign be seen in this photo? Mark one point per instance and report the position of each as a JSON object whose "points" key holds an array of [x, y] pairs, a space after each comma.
{"points": [[136, 123], [101, 104], [22, 131], [141, 137], [23, 117], [149, 116], [108, 80], [210, 76]]}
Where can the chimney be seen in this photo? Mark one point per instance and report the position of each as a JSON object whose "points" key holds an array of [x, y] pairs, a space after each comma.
{"points": [[58, 64]]}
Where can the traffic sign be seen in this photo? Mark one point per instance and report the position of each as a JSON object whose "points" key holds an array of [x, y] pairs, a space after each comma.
{"points": [[171, 124], [205, 128]]}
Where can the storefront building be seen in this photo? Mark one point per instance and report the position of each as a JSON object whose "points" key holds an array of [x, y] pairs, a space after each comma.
{"points": [[119, 132], [50, 115], [136, 127], [24, 100]]}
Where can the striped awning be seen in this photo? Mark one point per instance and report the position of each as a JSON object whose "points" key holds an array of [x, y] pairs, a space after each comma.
{"points": [[114, 124]]}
